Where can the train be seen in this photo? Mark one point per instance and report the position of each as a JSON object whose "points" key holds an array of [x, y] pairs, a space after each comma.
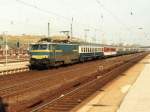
{"points": [[49, 54]]}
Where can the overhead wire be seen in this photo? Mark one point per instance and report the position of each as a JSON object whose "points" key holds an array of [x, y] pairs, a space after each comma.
{"points": [[42, 10], [113, 15], [52, 13]]}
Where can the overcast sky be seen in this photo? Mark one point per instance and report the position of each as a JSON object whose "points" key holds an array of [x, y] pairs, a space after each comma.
{"points": [[111, 21]]}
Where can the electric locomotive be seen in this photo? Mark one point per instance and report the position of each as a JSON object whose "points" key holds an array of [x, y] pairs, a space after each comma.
{"points": [[53, 54]]}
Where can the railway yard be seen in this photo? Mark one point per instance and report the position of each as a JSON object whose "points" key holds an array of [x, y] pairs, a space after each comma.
{"points": [[74, 56], [61, 89]]}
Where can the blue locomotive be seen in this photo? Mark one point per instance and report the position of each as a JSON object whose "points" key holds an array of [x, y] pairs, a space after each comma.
{"points": [[53, 54]]}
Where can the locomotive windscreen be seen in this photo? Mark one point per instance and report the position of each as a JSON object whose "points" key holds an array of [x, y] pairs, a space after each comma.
{"points": [[39, 47]]}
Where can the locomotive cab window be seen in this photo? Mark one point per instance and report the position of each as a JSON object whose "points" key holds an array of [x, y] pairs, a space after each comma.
{"points": [[39, 47], [43, 47]]}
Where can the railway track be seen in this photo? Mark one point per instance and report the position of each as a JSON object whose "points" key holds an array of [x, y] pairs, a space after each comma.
{"points": [[37, 89], [68, 101], [27, 76]]}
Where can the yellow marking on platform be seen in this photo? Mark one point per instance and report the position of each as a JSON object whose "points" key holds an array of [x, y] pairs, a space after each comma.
{"points": [[125, 88]]}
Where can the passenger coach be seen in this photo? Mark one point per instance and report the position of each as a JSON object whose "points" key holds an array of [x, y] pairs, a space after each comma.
{"points": [[90, 51]]}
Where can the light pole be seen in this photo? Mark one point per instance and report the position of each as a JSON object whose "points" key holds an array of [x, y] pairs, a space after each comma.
{"points": [[48, 29], [95, 35], [6, 47], [85, 34], [18, 48], [71, 28]]}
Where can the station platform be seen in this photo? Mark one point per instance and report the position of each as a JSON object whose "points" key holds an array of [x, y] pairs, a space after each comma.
{"points": [[130, 92], [138, 98], [15, 65]]}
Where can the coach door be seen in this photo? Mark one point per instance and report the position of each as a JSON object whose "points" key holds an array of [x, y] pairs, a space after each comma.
{"points": [[52, 53]]}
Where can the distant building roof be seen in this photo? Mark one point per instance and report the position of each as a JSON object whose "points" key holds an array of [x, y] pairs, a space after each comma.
{"points": [[145, 47]]}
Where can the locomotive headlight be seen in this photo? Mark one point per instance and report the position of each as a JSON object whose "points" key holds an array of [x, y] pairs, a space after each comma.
{"points": [[39, 56]]}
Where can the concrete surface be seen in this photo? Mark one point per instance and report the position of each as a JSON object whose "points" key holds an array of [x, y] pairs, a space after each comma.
{"points": [[138, 98], [109, 98]]}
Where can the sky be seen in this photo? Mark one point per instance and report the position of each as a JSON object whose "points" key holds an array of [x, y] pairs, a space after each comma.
{"points": [[107, 21]]}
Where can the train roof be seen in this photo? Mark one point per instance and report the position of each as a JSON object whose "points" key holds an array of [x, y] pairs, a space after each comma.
{"points": [[85, 44], [53, 43]]}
